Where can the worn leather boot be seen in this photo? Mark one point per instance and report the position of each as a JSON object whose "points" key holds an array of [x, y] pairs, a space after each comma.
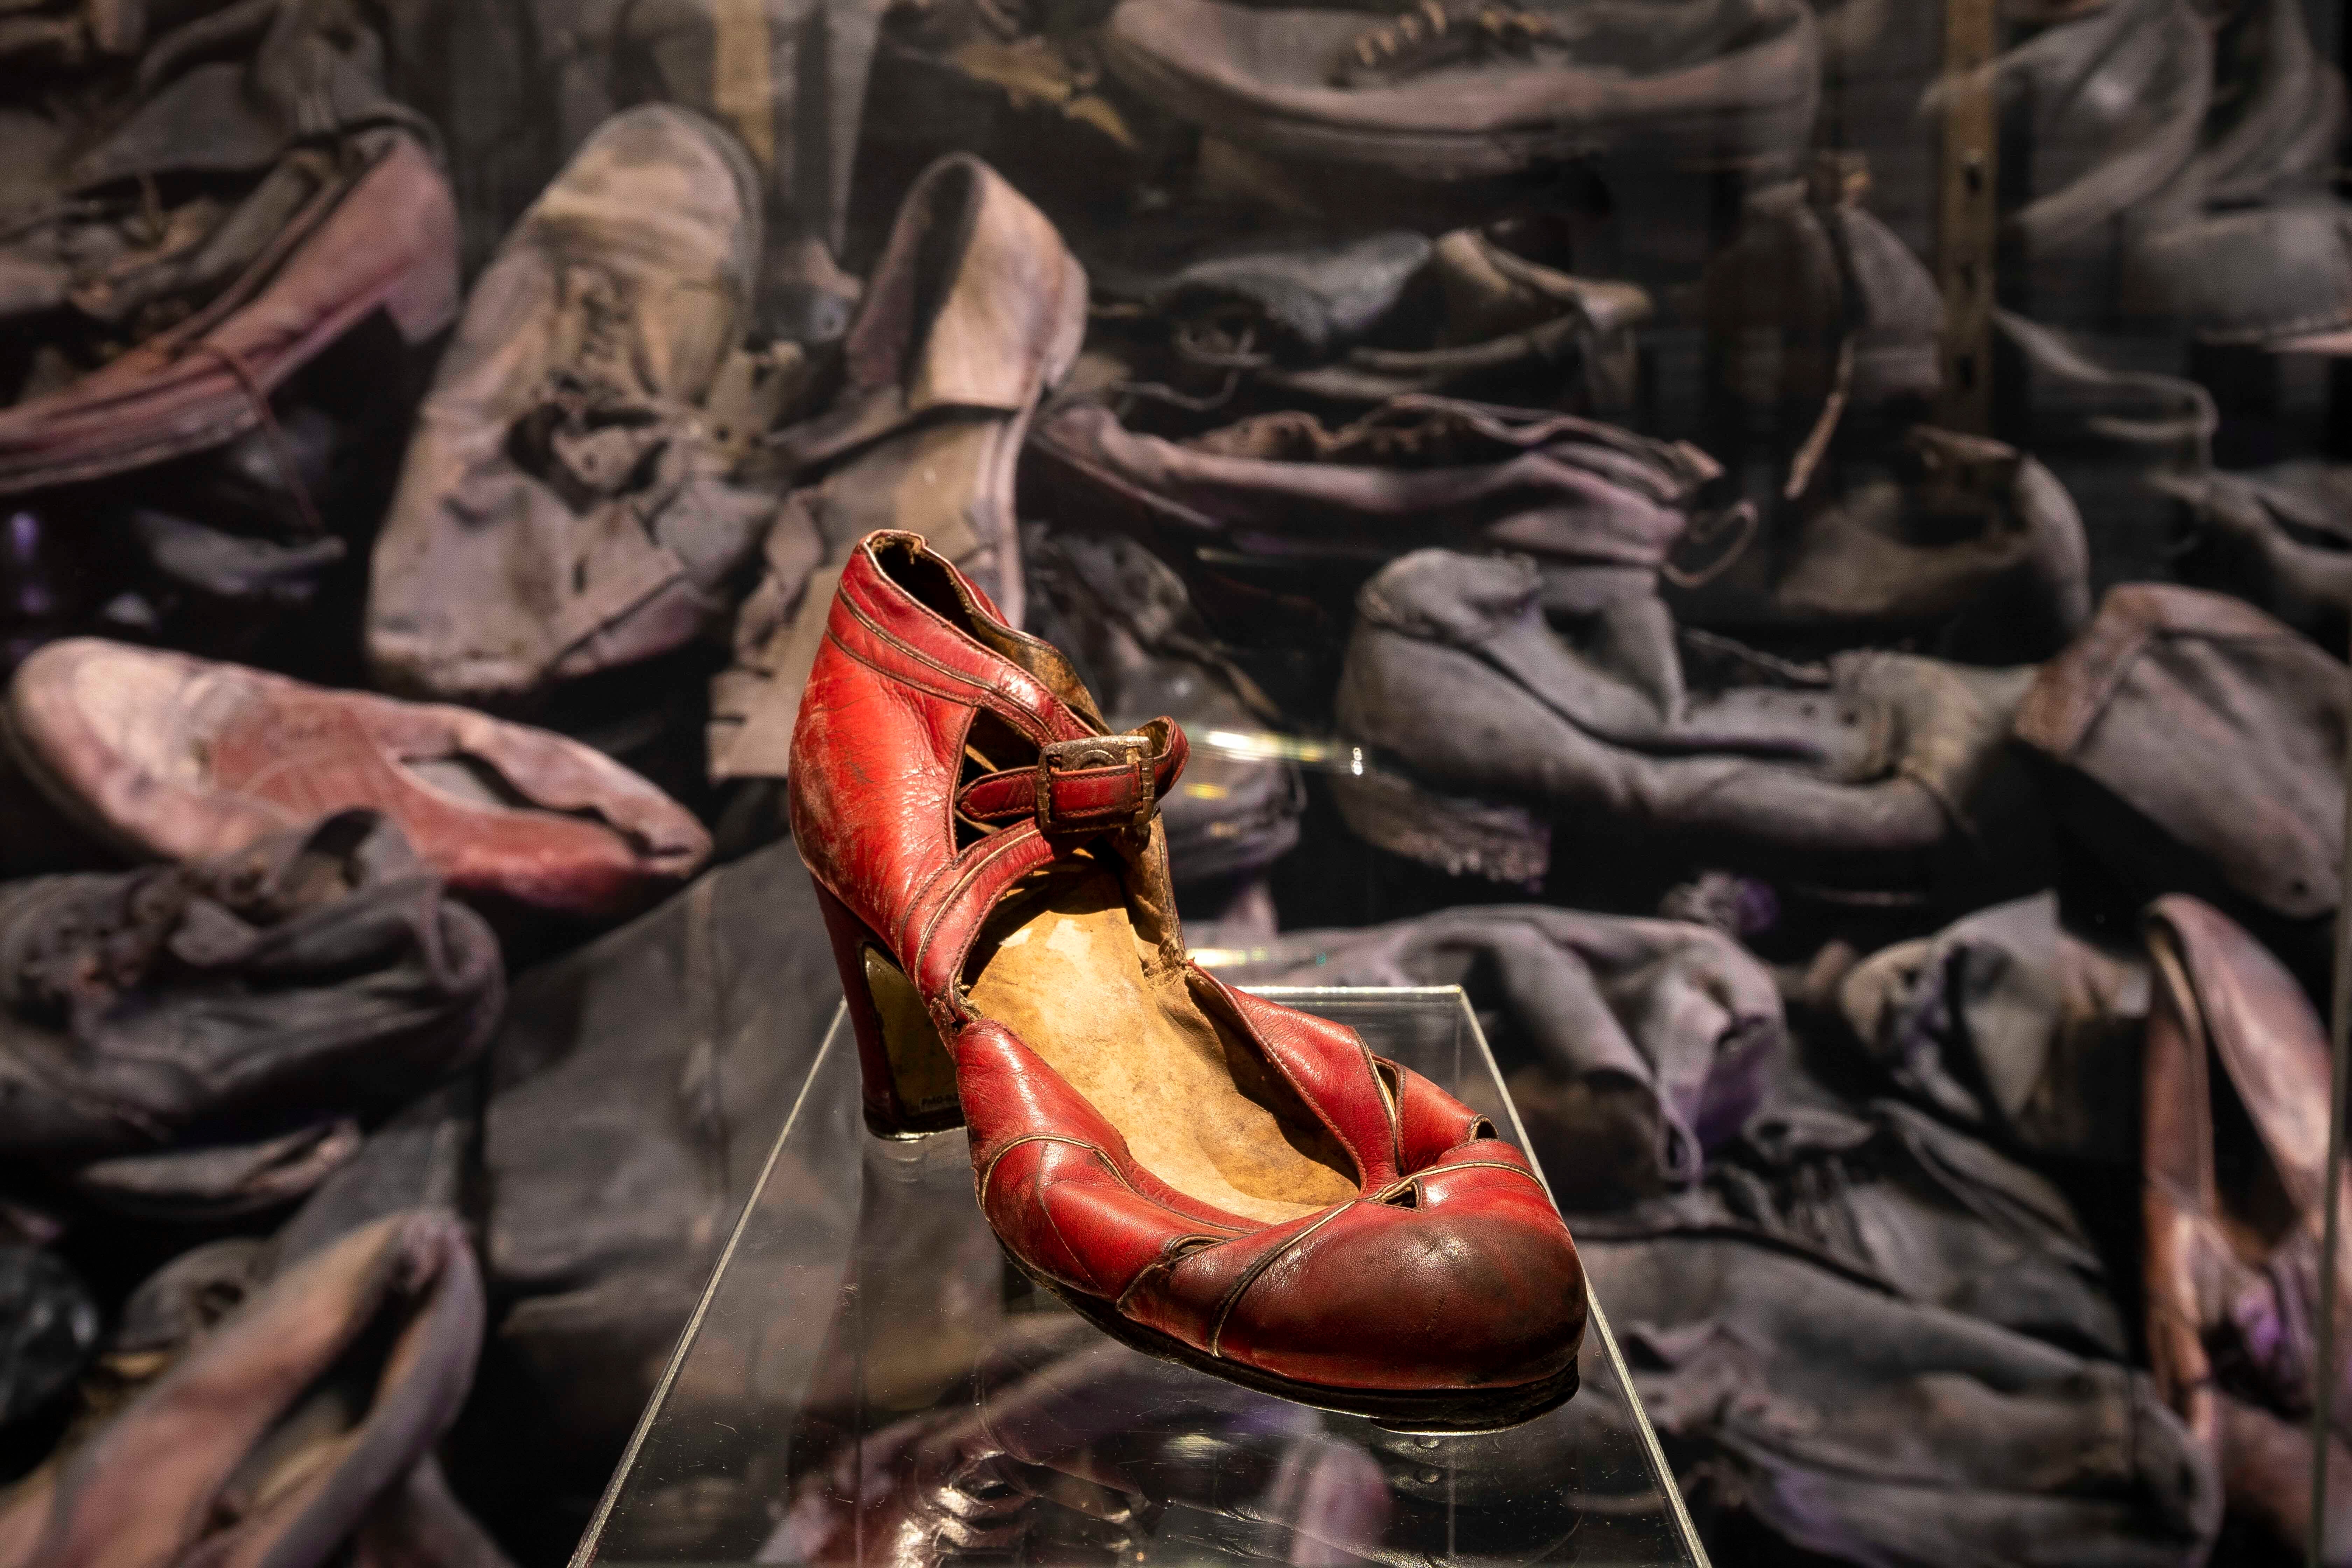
{"points": [[567, 504], [974, 312]]}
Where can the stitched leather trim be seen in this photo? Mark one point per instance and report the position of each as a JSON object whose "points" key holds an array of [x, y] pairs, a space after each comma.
{"points": [[1096, 1150], [1233, 1297], [1478, 1165], [900, 676], [1388, 1100], [1168, 1259], [1012, 838], [990, 697]]}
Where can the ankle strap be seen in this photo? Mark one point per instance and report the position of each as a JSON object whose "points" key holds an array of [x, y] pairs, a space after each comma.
{"points": [[1096, 784]]}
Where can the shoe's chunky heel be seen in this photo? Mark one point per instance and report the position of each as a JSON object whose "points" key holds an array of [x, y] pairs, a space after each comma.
{"points": [[908, 1076]]}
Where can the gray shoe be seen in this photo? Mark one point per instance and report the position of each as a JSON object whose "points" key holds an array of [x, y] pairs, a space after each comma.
{"points": [[1481, 722], [1300, 321], [203, 1040], [568, 503], [1602, 508], [1959, 542], [2196, 746], [1489, 89], [2280, 538], [2009, 1024]]}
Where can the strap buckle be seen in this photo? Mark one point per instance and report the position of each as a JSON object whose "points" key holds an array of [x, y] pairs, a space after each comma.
{"points": [[1095, 784]]}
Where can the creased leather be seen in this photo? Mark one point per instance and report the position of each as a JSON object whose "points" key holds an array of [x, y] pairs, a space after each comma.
{"points": [[1472, 1283]]}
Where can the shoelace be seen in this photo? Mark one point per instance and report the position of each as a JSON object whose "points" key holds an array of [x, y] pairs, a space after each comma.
{"points": [[1439, 32]]}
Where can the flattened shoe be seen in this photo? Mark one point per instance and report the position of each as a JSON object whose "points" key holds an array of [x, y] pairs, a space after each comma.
{"points": [[178, 758], [377, 233], [1464, 87], [568, 502], [975, 310], [203, 1040], [1297, 321], [1481, 721], [1415, 471]]}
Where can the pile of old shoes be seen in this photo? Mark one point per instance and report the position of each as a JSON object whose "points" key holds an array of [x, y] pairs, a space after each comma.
{"points": [[1521, 445], [2192, 148], [224, 250]]}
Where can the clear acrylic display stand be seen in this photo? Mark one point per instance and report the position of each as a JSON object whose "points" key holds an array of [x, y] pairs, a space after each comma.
{"points": [[867, 1381]]}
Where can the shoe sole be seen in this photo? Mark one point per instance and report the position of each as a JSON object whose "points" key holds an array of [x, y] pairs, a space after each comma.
{"points": [[1449, 1411], [1459, 835], [1782, 131]]}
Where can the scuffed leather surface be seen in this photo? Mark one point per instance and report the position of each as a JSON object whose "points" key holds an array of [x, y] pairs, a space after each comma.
{"points": [[1475, 1284], [2221, 729], [176, 757], [216, 1021], [1732, 84]]}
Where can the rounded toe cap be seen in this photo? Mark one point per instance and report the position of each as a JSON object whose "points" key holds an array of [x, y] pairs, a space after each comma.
{"points": [[1454, 1296]]}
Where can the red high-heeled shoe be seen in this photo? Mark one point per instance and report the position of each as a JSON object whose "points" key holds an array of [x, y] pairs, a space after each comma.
{"points": [[1204, 1174]]}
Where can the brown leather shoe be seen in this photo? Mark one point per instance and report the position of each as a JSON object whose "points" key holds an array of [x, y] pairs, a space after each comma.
{"points": [[975, 310], [178, 758], [568, 502], [2235, 1150], [379, 234]]}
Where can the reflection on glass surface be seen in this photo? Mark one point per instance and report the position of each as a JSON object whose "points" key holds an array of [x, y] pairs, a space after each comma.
{"points": [[870, 1382]]}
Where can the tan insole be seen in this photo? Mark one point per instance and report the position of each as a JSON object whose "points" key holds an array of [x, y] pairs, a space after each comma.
{"points": [[1061, 965]]}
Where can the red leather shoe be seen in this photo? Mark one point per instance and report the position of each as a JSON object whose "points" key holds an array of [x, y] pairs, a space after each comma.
{"points": [[1203, 1174]]}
